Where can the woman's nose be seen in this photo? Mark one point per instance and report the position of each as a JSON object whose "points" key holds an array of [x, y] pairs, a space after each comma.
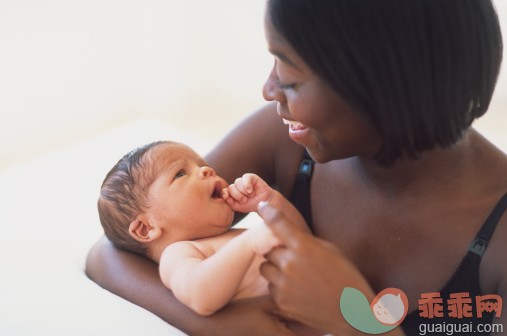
{"points": [[206, 171], [271, 89]]}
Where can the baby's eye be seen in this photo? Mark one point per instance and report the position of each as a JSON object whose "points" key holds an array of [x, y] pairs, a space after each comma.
{"points": [[179, 174]]}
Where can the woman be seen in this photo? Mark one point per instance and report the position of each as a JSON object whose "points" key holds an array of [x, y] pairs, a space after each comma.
{"points": [[382, 95]]}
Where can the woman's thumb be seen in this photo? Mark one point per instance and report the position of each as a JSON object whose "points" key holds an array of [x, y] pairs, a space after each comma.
{"points": [[283, 229]]}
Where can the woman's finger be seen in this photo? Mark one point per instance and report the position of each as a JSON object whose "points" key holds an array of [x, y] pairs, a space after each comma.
{"points": [[270, 272], [277, 256], [287, 232]]}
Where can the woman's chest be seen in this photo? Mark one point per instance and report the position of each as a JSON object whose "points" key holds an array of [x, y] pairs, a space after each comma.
{"points": [[409, 244]]}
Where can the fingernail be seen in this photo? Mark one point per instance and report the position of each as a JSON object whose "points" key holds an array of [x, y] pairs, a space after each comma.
{"points": [[265, 209], [262, 205]]}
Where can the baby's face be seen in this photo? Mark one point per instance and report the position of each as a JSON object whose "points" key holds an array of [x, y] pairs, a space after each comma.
{"points": [[184, 197]]}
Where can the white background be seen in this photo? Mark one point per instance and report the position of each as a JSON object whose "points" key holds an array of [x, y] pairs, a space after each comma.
{"points": [[71, 69]]}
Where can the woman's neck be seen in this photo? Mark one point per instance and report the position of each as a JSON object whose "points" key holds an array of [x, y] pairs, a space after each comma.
{"points": [[437, 168]]}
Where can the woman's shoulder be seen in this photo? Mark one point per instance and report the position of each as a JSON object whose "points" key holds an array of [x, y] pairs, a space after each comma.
{"points": [[492, 181]]}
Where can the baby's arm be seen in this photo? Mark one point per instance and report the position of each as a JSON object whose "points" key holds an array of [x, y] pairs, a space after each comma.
{"points": [[205, 284], [245, 194]]}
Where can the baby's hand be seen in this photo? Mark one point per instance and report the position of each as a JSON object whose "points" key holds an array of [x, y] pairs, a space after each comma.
{"points": [[246, 192]]}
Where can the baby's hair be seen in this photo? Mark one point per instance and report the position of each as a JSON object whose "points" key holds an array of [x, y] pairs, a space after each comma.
{"points": [[124, 195]]}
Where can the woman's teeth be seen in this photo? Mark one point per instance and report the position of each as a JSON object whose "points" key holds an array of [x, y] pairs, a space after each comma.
{"points": [[294, 125]]}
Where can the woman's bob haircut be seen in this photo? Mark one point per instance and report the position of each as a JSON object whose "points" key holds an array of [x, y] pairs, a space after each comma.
{"points": [[419, 70]]}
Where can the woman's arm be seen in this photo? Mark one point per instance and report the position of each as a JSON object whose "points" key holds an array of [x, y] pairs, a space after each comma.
{"points": [[136, 279], [260, 144]]}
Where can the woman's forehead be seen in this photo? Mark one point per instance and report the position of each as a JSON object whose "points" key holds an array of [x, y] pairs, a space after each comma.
{"points": [[280, 48]]}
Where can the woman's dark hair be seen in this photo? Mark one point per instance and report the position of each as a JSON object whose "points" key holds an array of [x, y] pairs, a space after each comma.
{"points": [[123, 196], [420, 70]]}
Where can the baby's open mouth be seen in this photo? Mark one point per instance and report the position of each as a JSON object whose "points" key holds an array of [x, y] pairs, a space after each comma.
{"points": [[217, 190]]}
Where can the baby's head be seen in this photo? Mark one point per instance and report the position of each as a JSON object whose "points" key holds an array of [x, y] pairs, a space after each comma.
{"points": [[161, 193]]}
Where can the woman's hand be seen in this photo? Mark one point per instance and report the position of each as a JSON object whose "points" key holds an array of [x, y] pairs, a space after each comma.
{"points": [[307, 275]]}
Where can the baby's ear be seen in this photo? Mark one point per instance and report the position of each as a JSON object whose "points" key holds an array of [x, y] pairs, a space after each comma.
{"points": [[141, 230]]}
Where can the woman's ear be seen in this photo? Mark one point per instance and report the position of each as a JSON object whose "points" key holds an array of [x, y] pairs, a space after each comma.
{"points": [[141, 230]]}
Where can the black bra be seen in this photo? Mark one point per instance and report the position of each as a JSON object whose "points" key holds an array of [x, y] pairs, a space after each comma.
{"points": [[300, 196], [464, 280]]}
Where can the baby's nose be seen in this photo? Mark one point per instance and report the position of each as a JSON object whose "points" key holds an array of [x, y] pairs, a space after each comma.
{"points": [[206, 171]]}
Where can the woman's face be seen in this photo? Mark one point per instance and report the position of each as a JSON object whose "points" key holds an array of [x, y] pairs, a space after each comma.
{"points": [[318, 118]]}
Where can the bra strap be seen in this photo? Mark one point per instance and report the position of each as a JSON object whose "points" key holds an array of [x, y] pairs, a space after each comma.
{"points": [[301, 191], [480, 243]]}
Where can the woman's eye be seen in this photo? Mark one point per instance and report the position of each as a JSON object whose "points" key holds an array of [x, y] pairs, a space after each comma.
{"points": [[279, 74], [285, 86]]}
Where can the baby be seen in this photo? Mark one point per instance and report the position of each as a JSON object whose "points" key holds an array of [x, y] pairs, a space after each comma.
{"points": [[162, 201]]}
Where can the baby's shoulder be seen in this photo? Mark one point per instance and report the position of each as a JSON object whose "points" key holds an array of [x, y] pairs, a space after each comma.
{"points": [[209, 246], [201, 248], [186, 249]]}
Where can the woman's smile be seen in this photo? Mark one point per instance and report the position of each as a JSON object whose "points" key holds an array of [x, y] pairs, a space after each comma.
{"points": [[297, 130]]}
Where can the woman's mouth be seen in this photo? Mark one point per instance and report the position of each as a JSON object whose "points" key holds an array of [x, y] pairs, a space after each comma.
{"points": [[298, 131], [294, 125]]}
